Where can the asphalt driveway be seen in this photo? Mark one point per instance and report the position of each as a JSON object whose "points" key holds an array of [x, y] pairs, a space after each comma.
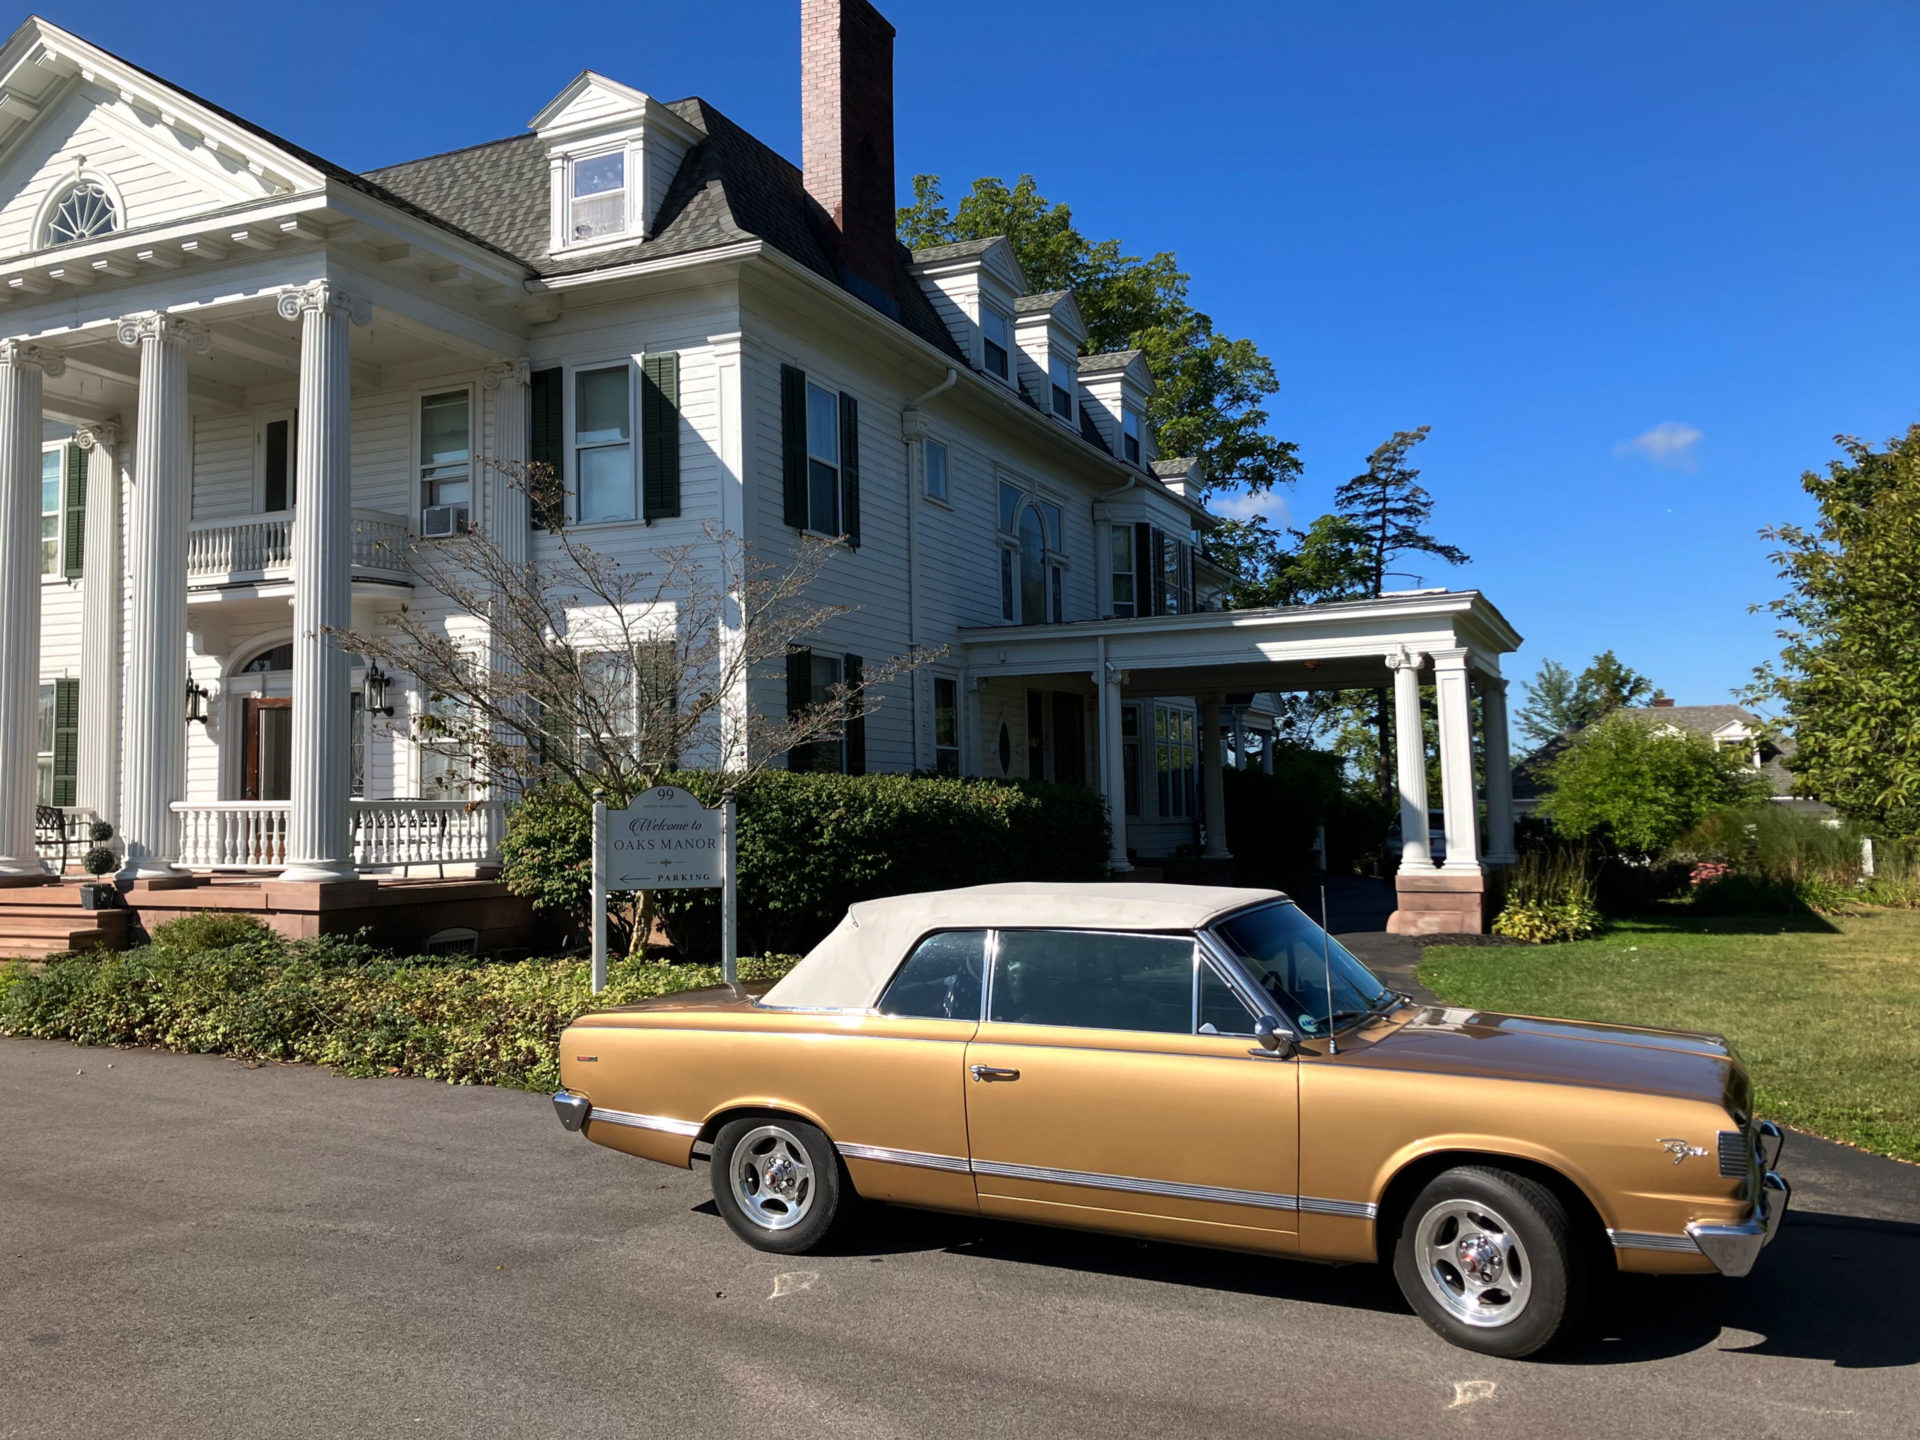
{"points": [[190, 1247]]}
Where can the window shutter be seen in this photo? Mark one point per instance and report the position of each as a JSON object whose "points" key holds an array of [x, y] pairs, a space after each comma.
{"points": [[793, 444], [545, 446], [66, 740], [660, 436], [850, 469], [853, 675], [799, 697], [76, 516], [1145, 586]]}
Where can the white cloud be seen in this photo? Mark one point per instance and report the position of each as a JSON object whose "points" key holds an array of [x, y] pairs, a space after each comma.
{"points": [[1268, 506], [1668, 443]]}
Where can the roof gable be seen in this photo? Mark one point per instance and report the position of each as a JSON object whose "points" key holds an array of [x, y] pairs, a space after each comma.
{"points": [[592, 102]]}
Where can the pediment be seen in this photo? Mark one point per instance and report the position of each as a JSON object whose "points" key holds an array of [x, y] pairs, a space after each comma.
{"points": [[594, 102]]}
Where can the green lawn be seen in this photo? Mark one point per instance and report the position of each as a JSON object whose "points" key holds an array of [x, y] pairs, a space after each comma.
{"points": [[1825, 1012]]}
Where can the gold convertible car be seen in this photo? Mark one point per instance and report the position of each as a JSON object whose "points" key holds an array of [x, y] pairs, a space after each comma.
{"points": [[1197, 1065]]}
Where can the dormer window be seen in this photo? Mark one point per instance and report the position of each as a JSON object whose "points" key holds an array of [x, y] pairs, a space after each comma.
{"points": [[1062, 373], [598, 206], [83, 211], [995, 342], [1130, 436]]}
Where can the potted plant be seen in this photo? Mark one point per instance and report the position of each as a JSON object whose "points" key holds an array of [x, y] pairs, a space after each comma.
{"points": [[100, 860]]}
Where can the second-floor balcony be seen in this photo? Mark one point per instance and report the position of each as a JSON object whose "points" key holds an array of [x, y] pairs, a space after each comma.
{"points": [[241, 550]]}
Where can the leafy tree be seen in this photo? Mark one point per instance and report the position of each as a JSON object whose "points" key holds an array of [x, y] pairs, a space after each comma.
{"points": [[1637, 786], [1210, 390], [1849, 673], [1559, 703], [1326, 561]]}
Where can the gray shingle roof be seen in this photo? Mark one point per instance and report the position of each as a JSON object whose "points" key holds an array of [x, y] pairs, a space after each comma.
{"points": [[1174, 469], [1108, 361], [1041, 303], [953, 250]]}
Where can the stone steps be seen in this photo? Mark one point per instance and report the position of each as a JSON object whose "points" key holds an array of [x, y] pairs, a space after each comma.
{"points": [[41, 920]]}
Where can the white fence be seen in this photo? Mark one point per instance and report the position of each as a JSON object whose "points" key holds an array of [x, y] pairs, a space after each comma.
{"points": [[388, 835], [260, 544]]}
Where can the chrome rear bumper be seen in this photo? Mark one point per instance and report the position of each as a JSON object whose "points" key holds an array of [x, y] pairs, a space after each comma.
{"points": [[572, 1109], [1733, 1249]]}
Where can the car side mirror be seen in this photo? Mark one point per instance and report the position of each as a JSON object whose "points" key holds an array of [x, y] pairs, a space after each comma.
{"points": [[1273, 1035]]}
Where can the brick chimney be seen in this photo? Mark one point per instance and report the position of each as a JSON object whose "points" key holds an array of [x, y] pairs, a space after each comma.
{"points": [[1662, 702], [846, 127]]}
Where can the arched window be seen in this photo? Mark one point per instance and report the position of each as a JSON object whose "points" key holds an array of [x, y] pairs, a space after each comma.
{"points": [[83, 210], [280, 657], [1033, 567], [1031, 560]]}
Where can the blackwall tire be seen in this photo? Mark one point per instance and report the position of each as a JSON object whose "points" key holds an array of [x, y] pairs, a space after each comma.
{"points": [[779, 1183]]}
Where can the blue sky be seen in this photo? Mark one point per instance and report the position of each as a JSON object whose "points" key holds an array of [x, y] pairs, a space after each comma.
{"points": [[1635, 263]]}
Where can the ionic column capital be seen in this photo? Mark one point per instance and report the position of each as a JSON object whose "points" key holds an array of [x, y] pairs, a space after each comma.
{"points": [[501, 371], [168, 329], [18, 354], [1405, 659], [106, 435], [327, 298]]}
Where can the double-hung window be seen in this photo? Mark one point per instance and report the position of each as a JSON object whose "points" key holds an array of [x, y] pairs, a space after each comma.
{"points": [[936, 459], [446, 458], [815, 684], [1121, 564], [1130, 435], [1061, 370], [50, 470], [996, 344], [597, 203], [603, 443], [946, 725], [1176, 758], [823, 460], [279, 482], [43, 749]]}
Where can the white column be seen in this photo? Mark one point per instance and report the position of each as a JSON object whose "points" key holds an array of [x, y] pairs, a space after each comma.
{"points": [[1410, 760], [156, 576], [971, 740], [1213, 785], [97, 783], [1493, 709], [1113, 762], [1266, 751], [23, 368], [509, 516], [1454, 702], [319, 832]]}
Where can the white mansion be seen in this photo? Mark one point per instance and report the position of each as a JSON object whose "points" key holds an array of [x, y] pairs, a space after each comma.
{"points": [[237, 380]]}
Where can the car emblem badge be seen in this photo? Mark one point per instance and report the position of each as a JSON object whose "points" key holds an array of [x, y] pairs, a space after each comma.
{"points": [[1680, 1149]]}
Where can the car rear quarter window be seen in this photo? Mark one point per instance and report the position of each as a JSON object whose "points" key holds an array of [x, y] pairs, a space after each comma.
{"points": [[1094, 979], [941, 978]]}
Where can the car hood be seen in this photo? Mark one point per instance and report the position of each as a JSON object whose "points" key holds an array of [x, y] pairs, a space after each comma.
{"points": [[1452, 1040]]}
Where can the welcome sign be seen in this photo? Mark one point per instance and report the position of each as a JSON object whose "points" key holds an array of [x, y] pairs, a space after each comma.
{"points": [[665, 840]]}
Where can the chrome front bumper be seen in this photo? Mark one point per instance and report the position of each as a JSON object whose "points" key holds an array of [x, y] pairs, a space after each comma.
{"points": [[572, 1109], [1733, 1249]]}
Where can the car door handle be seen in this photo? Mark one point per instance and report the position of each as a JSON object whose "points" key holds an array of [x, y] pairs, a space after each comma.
{"points": [[990, 1072]]}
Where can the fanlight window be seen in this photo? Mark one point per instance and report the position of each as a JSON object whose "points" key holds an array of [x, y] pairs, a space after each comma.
{"points": [[83, 211]]}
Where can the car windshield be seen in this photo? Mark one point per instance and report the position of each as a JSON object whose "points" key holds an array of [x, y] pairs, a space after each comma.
{"points": [[1292, 958]]}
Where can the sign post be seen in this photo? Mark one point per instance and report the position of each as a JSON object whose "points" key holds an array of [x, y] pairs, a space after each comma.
{"points": [[665, 840], [729, 916]]}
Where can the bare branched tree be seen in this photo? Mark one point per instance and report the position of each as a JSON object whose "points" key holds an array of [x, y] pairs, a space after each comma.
{"points": [[578, 670]]}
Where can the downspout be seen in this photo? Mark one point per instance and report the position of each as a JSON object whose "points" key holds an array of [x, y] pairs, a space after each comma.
{"points": [[912, 431]]}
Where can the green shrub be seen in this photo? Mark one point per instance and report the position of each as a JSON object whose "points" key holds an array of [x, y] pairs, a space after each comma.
{"points": [[336, 1003], [1550, 898], [211, 930], [810, 845], [1772, 859], [1634, 785]]}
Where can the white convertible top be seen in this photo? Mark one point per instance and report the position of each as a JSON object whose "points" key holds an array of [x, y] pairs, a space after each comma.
{"points": [[848, 969]]}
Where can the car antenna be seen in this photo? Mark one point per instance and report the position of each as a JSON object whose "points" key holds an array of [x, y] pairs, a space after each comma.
{"points": [[1326, 956]]}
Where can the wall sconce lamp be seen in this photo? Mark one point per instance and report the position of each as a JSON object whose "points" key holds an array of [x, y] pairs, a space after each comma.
{"points": [[375, 690], [196, 701]]}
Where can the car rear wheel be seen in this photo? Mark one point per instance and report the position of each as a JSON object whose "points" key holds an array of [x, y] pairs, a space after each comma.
{"points": [[778, 1183], [1487, 1258]]}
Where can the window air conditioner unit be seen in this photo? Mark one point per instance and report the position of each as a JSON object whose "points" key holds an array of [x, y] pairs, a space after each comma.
{"points": [[437, 522]]}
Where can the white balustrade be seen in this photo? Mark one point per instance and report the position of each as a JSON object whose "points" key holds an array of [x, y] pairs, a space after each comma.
{"points": [[387, 834], [263, 544]]}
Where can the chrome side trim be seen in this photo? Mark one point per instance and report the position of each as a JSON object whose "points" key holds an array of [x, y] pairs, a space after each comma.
{"points": [[643, 1122], [1352, 1209], [1218, 1193], [920, 1158], [1640, 1240]]}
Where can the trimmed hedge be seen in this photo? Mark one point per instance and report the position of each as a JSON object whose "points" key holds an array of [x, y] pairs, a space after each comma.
{"points": [[810, 845], [332, 1002]]}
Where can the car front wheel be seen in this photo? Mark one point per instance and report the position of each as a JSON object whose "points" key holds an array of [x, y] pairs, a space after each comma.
{"points": [[779, 1184], [1487, 1258]]}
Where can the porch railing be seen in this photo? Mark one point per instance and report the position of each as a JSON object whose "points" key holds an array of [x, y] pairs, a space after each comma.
{"points": [[387, 834], [263, 544]]}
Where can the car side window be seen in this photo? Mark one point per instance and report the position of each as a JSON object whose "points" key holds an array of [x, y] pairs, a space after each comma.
{"points": [[1094, 980], [941, 978], [1220, 1010]]}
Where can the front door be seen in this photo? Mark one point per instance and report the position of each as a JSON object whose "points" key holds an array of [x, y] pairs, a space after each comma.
{"points": [[1106, 1089], [268, 759]]}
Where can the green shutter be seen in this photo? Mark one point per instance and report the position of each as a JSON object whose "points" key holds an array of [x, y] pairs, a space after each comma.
{"points": [[76, 540], [66, 740], [853, 677], [793, 444], [850, 469], [799, 697], [546, 446], [660, 436]]}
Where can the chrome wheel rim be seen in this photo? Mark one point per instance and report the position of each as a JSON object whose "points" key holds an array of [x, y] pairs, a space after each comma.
{"points": [[1473, 1263], [772, 1177]]}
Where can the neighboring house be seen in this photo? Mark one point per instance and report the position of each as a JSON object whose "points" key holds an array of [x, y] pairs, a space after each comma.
{"points": [[241, 380]]}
